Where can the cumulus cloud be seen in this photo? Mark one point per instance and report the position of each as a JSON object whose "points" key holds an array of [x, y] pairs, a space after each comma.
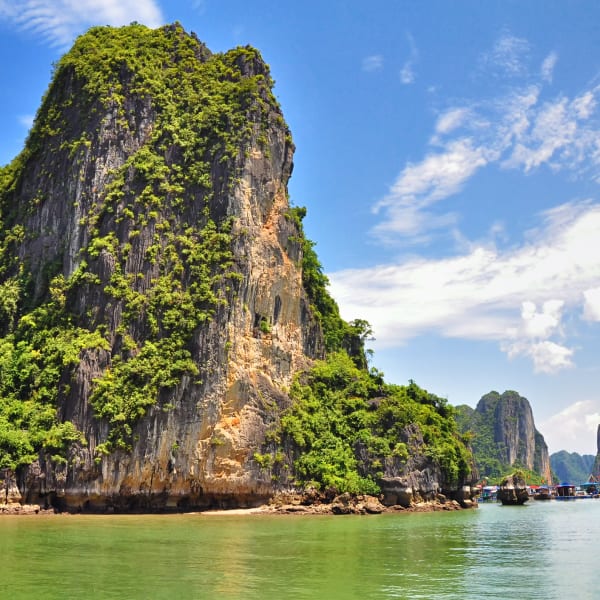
{"points": [[543, 323], [372, 63], [58, 22], [574, 428], [516, 297], [531, 339], [591, 304], [547, 356]]}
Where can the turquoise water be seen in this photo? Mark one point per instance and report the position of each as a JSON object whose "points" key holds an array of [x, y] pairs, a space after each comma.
{"points": [[540, 550]]}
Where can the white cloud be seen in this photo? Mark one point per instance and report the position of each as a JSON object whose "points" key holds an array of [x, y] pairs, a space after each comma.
{"points": [[591, 304], [547, 356], [543, 323], [573, 429], [420, 185], [516, 297], [451, 120], [437, 176], [58, 22], [525, 298], [584, 105], [556, 135], [513, 114], [514, 131], [372, 63], [407, 73], [508, 55], [548, 66]]}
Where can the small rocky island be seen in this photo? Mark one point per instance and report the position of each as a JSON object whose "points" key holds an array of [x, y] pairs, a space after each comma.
{"points": [[513, 490]]}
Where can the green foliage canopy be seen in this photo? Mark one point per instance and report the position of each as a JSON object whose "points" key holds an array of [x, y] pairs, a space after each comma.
{"points": [[347, 428]]}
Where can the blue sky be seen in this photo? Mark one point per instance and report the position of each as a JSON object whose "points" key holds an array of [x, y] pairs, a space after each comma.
{"points": [[449, 157]]}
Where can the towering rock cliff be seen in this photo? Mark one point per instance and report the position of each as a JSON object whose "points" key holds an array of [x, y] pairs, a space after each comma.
{"points": [[150, 204], [155, 295], [505, 435]]}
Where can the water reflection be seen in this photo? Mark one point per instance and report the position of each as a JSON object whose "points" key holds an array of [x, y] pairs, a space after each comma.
{"points": [[541, 550], [544, 550], [426, 556]]}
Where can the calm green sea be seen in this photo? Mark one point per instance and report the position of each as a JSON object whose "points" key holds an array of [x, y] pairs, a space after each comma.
{"points": [[540, 550]]}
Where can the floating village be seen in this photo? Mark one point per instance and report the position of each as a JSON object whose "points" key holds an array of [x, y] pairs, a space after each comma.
{"points": [[512, 491]]}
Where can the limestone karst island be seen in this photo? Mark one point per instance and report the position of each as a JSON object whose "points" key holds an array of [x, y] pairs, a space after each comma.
{"points": [[167, 340]]}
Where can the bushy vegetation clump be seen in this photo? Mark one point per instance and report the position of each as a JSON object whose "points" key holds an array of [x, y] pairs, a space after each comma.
{"points": [[37, 358], [347, 428]]}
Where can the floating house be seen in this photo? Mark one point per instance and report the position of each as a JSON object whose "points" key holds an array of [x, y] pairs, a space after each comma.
{"points": [[565, 491]]}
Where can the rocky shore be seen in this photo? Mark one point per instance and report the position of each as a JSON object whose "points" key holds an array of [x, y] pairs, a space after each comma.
{"points": [[24, 509], [293, 504], [348, 504]]}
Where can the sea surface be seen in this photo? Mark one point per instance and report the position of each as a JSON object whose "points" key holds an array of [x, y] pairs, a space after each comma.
{"points": [[544, 550]]}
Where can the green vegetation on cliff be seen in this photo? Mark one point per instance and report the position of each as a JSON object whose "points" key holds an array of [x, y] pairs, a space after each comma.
{"points": [[33, 360], [347, 428], [337, 333], [157, 264], [485, 448], [571, 466], [503, 437], [203, 110]]}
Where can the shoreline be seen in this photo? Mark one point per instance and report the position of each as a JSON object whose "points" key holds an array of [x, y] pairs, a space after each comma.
{"points": [[341, 505]]}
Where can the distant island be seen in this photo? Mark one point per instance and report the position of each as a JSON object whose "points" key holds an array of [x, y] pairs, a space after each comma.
{"points": [[571, 466], [504, 437]]}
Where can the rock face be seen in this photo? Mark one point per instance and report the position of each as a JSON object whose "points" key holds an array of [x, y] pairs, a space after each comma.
{"points": [[513, 490], [421, 481], [153, 309], [111, 193], [9, 493], [505, 434]]}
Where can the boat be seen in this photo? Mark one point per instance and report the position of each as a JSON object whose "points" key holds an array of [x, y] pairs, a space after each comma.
{"points": [[565, 491], [588, 490], [488, 494], [543, 493]]}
